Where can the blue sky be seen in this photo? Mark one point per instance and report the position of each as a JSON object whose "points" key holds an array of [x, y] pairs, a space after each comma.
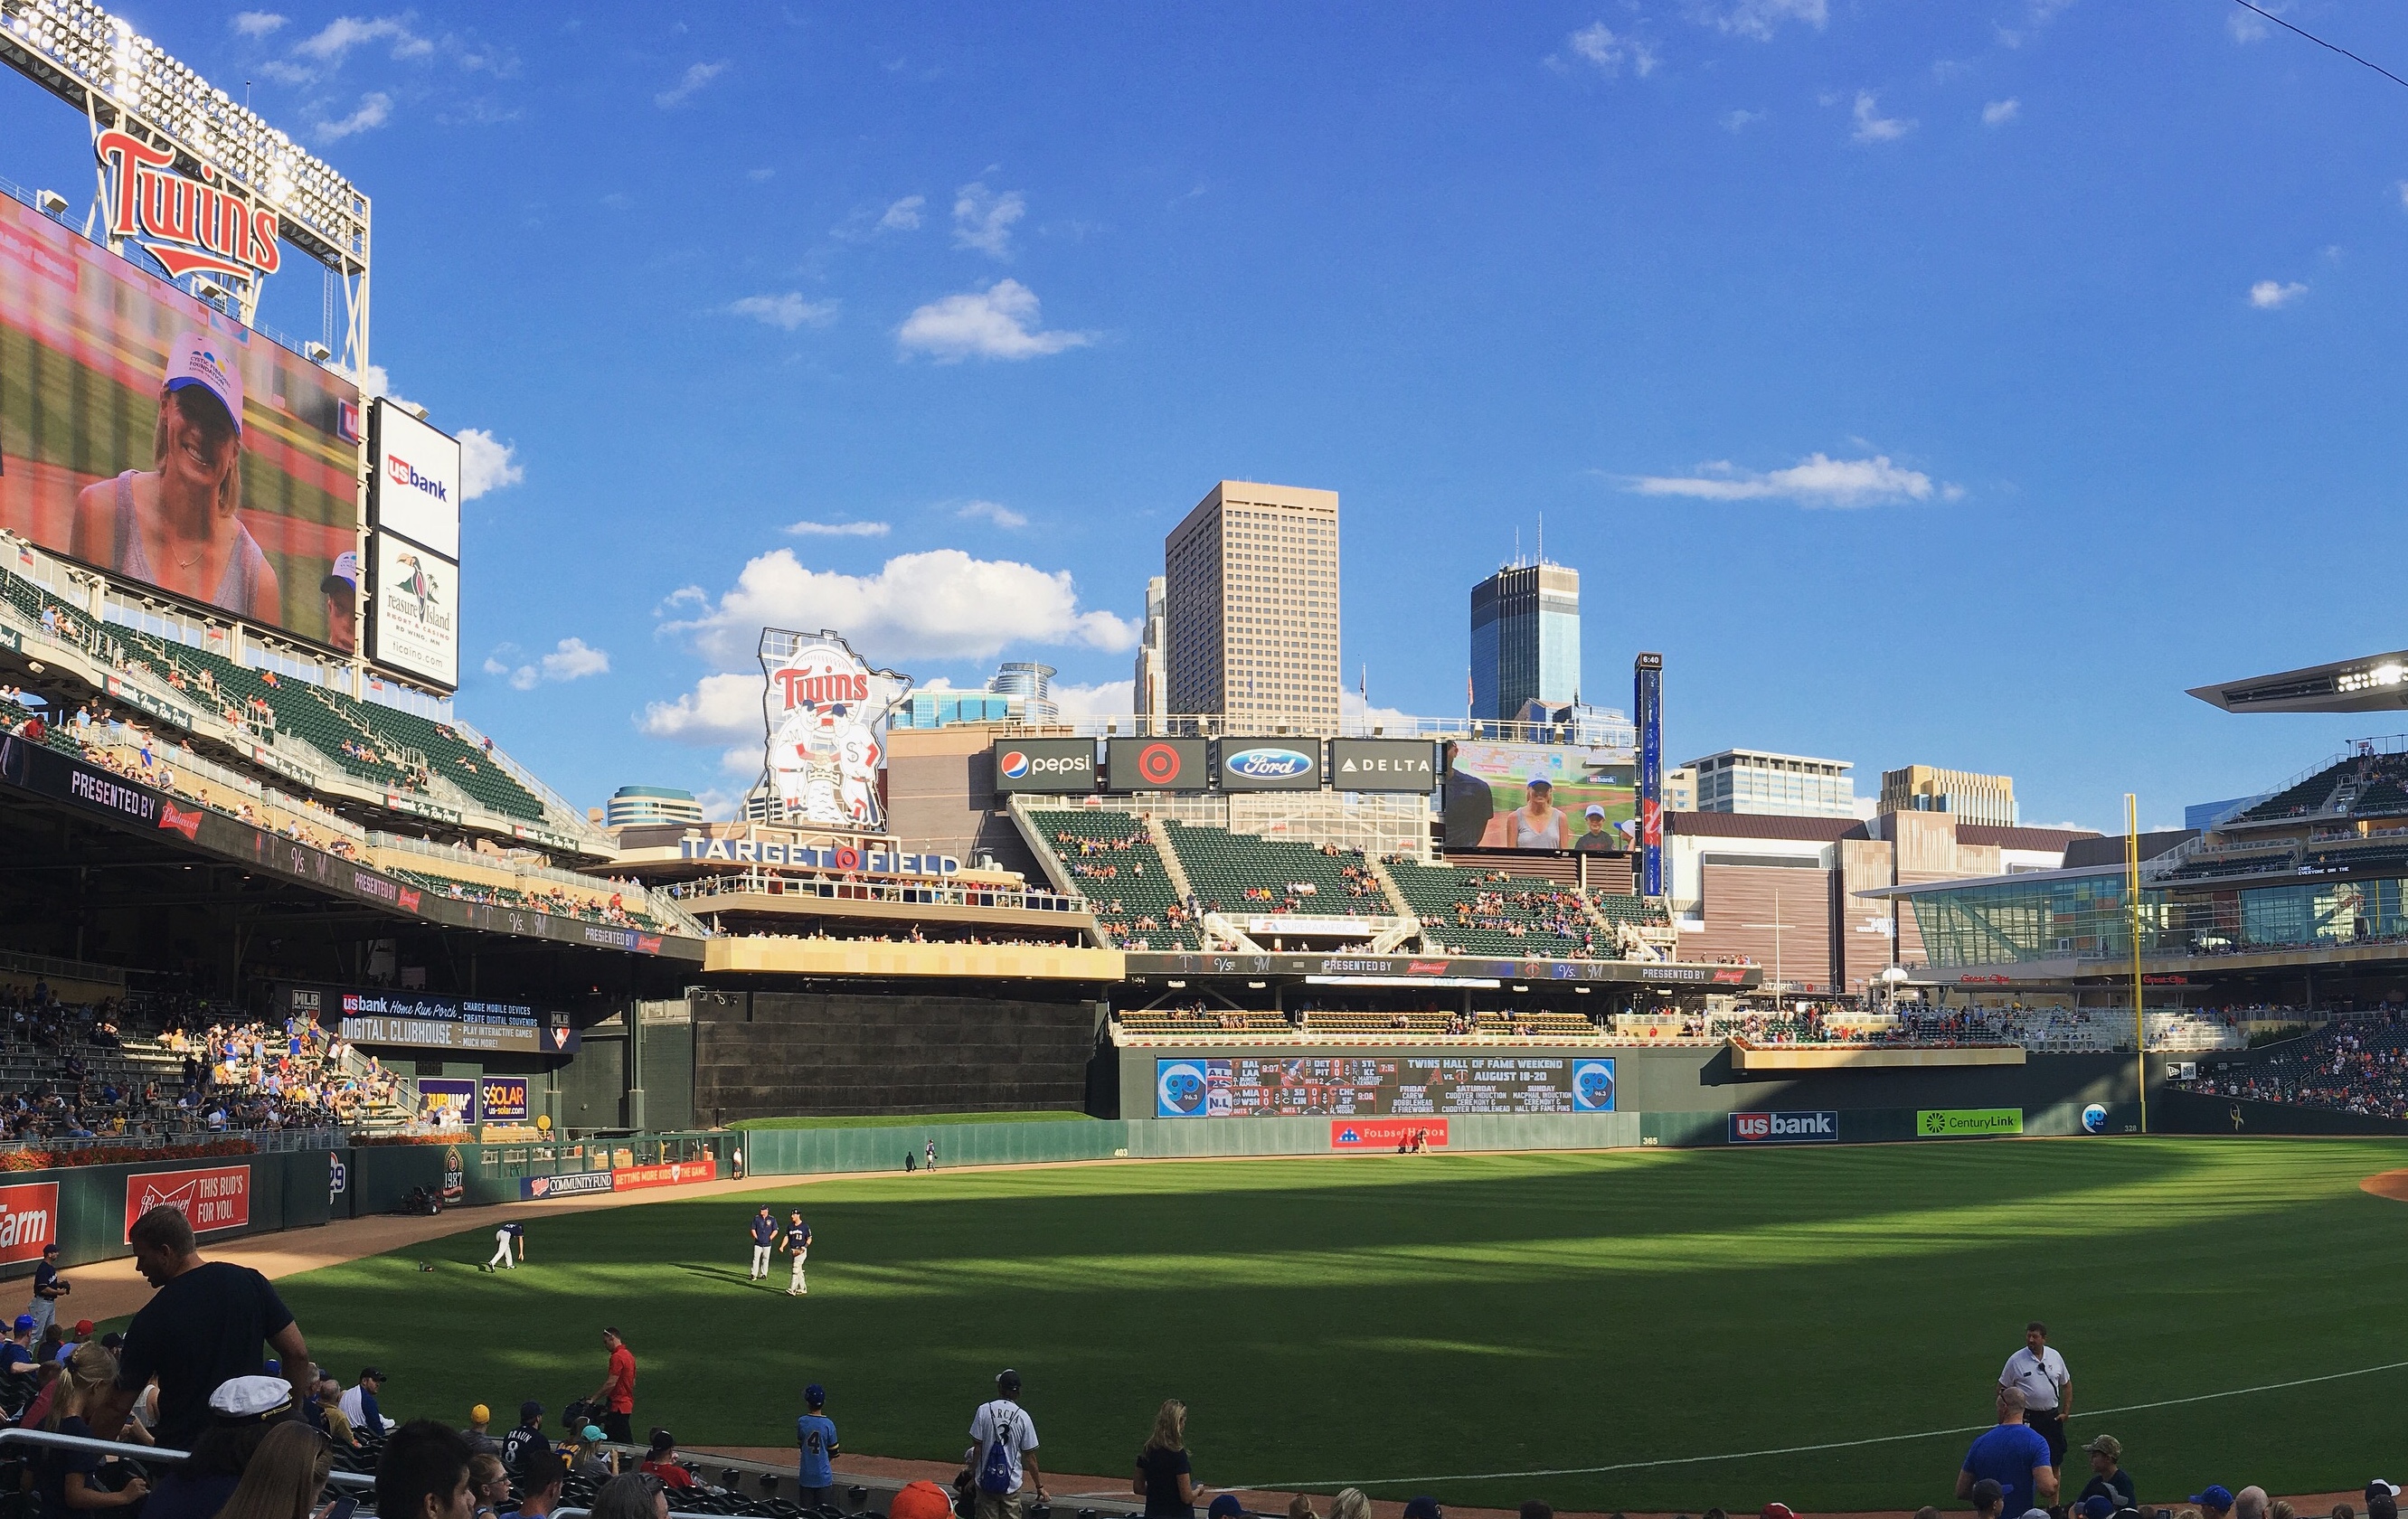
{"points": [[1947, 384]]}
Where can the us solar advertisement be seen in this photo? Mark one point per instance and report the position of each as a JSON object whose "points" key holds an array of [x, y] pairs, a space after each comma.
{"points": [[1346, 1086]]}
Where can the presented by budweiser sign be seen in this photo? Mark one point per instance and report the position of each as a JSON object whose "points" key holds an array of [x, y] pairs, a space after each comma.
{"points": [[191, 227]]}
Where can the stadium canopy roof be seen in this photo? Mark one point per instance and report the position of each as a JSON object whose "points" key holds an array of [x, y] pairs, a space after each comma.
{"points": [[2375, 683]]}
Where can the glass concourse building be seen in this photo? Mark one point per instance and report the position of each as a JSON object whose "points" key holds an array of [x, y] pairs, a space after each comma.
{"points": [[2060, 915]]}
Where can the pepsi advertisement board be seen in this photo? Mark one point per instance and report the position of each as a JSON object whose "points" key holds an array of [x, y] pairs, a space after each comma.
{"points": [[1399, 1086], [1158, 763], [1054, 765], [1269, 763]]}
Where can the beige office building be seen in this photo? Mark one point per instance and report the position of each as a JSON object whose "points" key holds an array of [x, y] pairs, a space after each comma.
{"points": [[1251, 607], [1971, 798], [1151, 688]]}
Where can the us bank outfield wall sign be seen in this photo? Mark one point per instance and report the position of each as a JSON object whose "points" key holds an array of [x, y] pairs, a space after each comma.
{"points": [[1269, 764], [826, 711], [1438, 969], [1404, 765], [134, 808], [1049, 766]]}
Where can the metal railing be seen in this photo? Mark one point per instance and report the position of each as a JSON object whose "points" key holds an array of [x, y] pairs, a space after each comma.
{"points": [[361, 1482], [659, 905], [559, 812], [758, 882]]}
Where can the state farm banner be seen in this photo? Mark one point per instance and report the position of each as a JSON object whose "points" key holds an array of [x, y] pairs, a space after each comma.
{"points": [[214, 1198], [29, 1219]]}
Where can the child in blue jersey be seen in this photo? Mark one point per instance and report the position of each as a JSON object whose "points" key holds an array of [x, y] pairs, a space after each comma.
{"points": [[815, 1435]]}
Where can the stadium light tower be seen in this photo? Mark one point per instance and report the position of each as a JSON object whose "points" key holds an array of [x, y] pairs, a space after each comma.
{"points": [[156, 114]]}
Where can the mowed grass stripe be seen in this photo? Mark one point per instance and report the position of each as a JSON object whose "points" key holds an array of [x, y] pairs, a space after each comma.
{"points": [[1469, 1313]]}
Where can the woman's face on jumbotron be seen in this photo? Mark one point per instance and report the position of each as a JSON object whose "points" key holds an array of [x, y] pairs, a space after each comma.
{"points": [[202, 442]]}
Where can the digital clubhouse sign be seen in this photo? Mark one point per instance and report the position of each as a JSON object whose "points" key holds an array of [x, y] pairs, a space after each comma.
{"points": [[1346, 1086]]}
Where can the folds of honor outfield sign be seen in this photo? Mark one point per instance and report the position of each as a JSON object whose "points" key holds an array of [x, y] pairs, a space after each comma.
{"points": [[827, 712]]}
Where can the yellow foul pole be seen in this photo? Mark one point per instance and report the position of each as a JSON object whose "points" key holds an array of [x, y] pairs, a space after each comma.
{"points": [[2132, 892]]}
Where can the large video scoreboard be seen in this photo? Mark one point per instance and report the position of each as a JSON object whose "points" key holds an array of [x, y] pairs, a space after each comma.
{"points": [[1351, 1086]]}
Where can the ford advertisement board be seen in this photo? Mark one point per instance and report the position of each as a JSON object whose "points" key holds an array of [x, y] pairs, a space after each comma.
{"points": [[1269, 765], [1056, 765]]}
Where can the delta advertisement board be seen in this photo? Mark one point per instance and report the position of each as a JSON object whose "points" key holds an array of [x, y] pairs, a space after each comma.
{"points": [[151, 436], [1381, 1085], [414, 480], [213, 1197], [29, 1219], [1053, 767], [1489, 794], [414, 612], [1269, 763], [1158, 763], [1402, 764]]}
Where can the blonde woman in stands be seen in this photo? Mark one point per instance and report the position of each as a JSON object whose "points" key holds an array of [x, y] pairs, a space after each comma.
{"points": [[284, 1476]]}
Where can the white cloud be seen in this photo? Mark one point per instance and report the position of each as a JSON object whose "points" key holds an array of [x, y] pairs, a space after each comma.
{"points": [[1758, 19], [789, 311], [376, 109], [999, 322], [1601, 46], [254, 23], [719, 709], [992, 512], [571, 659], [1872, 126], [760, 176], [941, 603], [2267, 294], [825, 530], [904, 215], [486, 463], [1739, 120], [1352, 709], [1112, 698], [693, 79], [982, 219], [2000, 112], [2402, 188], [332, 44], [2246, 25], [1816, 480]]}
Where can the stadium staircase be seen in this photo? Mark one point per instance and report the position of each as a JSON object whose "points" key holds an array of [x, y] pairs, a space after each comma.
{"points": [[1133, 903], [1170, 861]]}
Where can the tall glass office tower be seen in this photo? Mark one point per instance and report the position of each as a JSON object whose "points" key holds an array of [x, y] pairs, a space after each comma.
{"points": [[1525, 639]]}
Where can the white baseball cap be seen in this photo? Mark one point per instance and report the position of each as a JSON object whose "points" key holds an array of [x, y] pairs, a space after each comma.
{"points": [[345, 569], [197, 358]]}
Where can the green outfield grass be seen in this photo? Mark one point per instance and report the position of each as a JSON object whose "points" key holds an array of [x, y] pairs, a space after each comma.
{"points": [[1402, 1319], [910, 1121]]}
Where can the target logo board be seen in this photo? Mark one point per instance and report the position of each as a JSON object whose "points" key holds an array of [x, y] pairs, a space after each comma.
{"points": [[1158, 763]]}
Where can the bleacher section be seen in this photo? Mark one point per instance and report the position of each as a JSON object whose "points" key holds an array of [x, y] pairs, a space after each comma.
{"points": [[1114, 864], [1501, 915], [375, 745], [2298, 800], [1240, 873]]}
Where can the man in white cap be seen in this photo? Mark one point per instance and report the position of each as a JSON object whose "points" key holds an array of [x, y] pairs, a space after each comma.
{"points": [[341, 590]]}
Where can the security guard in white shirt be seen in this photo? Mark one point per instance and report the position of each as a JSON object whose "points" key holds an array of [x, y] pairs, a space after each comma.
{"points": [[2038, 1373]]}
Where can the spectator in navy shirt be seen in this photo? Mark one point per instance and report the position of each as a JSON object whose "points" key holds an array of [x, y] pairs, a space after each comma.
{"points": [[2015, 1456]]}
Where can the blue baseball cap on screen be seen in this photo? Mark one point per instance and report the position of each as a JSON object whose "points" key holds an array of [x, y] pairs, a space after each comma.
{"points": [[2216, 1497]]}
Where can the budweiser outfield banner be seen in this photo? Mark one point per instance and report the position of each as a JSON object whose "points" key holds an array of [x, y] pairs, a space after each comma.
{"points": [[214, 1198]]}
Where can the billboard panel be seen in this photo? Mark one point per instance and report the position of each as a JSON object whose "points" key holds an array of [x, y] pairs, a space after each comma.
{"points": [[429, 1021], [211, 1196], [1347, 1086], [1269, 764], [29, 1219], [1056, 765], [146, 434], [502, 1099], [1384, 765], [1158, 763], [414, 480], [827, 712], [414, 612], [1488, 784]]}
